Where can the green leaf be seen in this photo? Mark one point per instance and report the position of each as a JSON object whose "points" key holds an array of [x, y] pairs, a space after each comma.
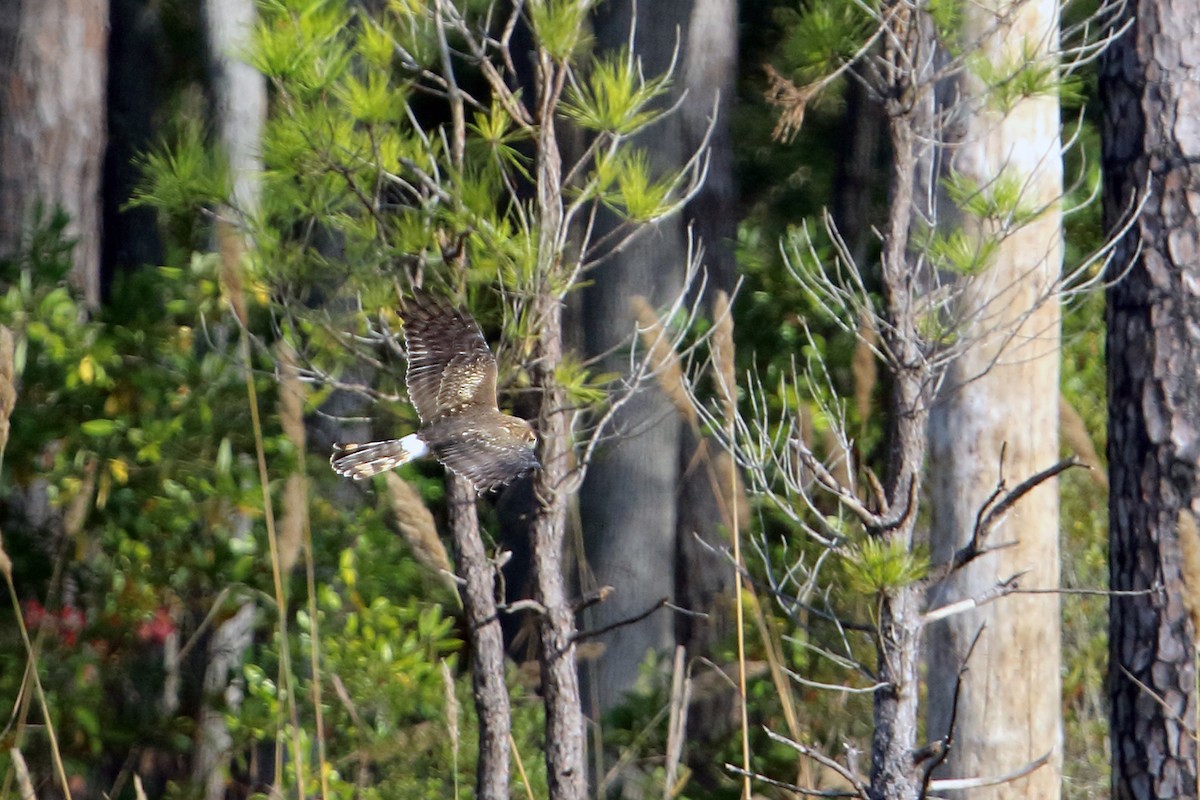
{"points": [[99, 427]]}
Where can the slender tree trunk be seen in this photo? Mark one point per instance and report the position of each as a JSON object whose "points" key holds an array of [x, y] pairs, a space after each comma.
{"points": [[1151, 142], [223, 691], [703, 580], [894, 772], [240, 94], [53, 57], [997, 420], [566, 773], [487, 641]]}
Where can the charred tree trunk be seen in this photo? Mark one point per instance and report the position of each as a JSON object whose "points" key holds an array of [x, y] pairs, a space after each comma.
{"points": [[642, 499], [1150, 148], [53, 57]]}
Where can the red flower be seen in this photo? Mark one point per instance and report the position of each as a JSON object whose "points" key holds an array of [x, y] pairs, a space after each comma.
{"points": [[35, 614], [158, 629], [70, 624]]}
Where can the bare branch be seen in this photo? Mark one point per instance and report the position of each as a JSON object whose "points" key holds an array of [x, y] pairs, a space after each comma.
{"points": [[955, 784], [860, 788]]}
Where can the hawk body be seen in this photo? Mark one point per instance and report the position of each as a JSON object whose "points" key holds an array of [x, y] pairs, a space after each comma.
{"points": [[451, 381]]}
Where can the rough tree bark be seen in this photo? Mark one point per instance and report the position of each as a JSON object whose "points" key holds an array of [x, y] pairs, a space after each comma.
{"points": [[566, 773], [997, 420], [53, 57], [487, 641], [895, 773], [1151, 145]]}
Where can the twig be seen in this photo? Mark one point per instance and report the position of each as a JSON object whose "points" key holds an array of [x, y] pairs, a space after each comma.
{"points": [[1002, 589], [791, 787], [580, 636], [947, 742], [824, 760], [973, 549], [954, 784]]}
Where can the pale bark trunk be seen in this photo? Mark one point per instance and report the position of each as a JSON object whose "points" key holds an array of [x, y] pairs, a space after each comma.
{"points": [[53, 67], [240, 93], [223, 692], [240, 97], [1149, 84], [997, 420]]}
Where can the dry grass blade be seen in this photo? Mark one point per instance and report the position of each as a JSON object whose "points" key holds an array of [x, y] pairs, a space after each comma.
{"points": [[662, 358], [453, 712], [864, 367], [418, 529], [1189, 550], [232, 247], [8, 384], [5, 562], [723, 353], [1074, 433], [291, 416], [681, 690], [727, 380], [24, 785]]}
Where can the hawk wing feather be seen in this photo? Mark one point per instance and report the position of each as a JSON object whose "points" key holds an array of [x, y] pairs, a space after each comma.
{"points": [[449, 364], [486, 462]]}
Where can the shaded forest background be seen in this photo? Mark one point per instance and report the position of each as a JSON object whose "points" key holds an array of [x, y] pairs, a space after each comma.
{"points": [[209, 214]]}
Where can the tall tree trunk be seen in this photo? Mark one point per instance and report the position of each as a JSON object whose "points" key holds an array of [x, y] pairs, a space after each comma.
{"points": [[638, 538], [894, 772], [53, 57], [703, 579], [240, 96], [627, 502], [1151, 142], [998, 421]]}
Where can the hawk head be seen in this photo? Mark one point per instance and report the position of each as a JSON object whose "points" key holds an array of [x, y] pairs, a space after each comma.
{"points": [[521, 431]]}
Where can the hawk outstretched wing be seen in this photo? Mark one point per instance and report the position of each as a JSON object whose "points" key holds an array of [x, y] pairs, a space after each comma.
{"points": [[449, 364]]}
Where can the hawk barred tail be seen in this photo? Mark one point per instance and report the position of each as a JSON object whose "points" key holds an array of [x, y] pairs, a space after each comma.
{"points": [[360, 461]]}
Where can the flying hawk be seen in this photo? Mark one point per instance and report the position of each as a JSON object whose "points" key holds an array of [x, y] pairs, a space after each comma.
{"points": [[451, 381]]}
